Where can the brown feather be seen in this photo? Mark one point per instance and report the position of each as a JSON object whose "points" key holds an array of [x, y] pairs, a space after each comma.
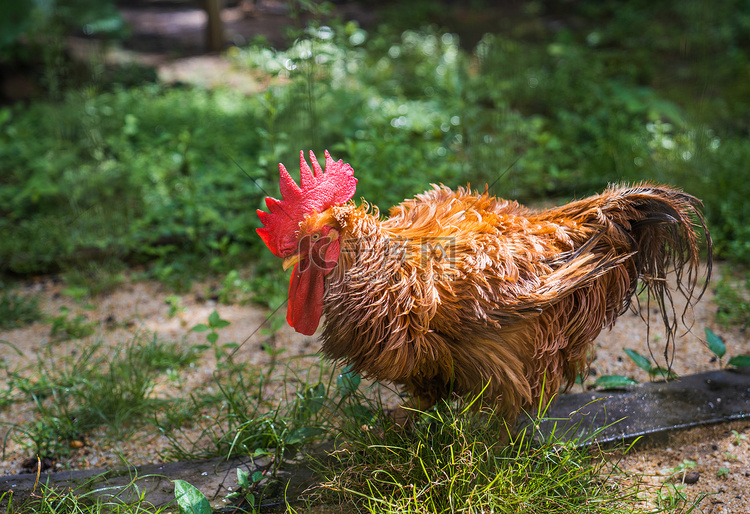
{"points": [[462, 292]]}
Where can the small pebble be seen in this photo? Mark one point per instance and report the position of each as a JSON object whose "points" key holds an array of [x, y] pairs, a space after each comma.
{"points": [[692, 477]]}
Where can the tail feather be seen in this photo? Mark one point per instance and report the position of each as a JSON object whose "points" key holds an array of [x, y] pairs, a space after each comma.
{"points": [[651, 230]]}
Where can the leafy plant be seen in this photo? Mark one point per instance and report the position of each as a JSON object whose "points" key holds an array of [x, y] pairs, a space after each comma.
{"points": [[174, 305], [738, 438], [717, 347], [680, 469], [235, 289], [247, 484], [646, 365], [215, 323]]}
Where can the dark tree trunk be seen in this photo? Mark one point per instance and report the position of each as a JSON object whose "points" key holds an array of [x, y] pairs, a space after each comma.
{"points": [[214, 27]]}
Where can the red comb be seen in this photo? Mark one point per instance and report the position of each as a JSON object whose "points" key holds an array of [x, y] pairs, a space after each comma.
{"points": [[319, 190]]}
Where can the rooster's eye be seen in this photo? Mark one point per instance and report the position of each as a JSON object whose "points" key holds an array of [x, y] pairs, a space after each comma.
{"points": [[315, 237]]}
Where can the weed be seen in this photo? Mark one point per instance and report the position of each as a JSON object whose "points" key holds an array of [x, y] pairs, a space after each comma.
{"points": [[671, 496], [680, 470], [235, 289], [247, 484], [719, 349], [733, 298], [17, 310], [646, 365], [713, 342], [738, 438], [93, 279], [65, 327], [614, 382], [174, 305], [222, 352], [259, 414]]}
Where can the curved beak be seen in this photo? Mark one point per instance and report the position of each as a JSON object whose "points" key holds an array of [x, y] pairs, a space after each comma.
{"points": [[290, 261]]}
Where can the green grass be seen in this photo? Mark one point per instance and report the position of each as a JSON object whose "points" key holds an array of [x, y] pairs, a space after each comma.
{"points": [[456, 460], [95, 388], [54, 500]]}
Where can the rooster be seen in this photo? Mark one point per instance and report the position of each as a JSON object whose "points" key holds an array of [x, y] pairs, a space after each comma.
{"points": [[461, 292]]}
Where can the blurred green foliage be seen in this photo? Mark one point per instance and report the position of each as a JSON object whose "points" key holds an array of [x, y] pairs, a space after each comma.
{"points": [[131, 174], [566, 98], [33, 20]]}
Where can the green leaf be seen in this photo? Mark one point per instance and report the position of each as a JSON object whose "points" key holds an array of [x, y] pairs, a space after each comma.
{"points": [[313, 398], [212, 337], [215, 321], [260, 452], [348, 382], [189, 499], [243, 478], [642, 362], [739, 361], [302, 435], [659, 372], [614, 382], [715, 344], [257, 477], [200, 327]]}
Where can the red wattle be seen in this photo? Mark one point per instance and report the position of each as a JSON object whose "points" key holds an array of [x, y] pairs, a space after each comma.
{"points": [[307, 287], [306, 299]]}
